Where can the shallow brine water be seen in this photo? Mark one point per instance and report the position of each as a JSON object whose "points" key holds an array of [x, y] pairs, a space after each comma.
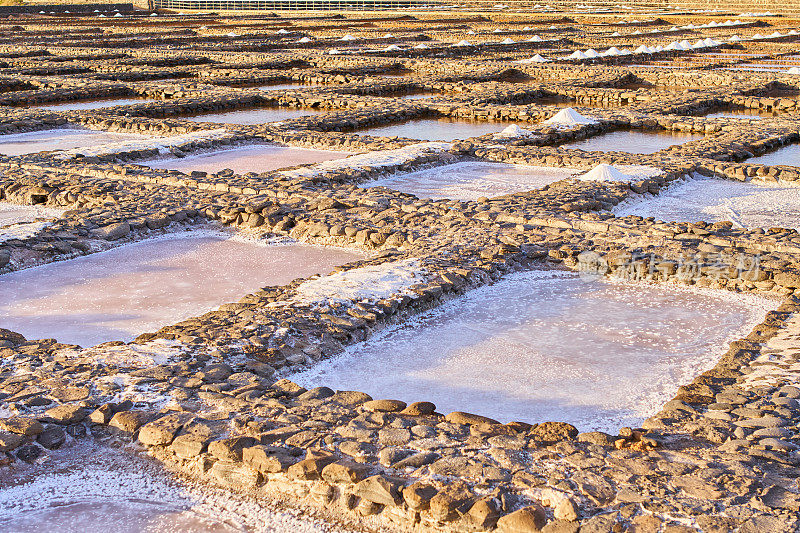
{"points": [[470, 181], [788, 155], [435, 129], [255, 116], [541, 346], [745, 204], [60, 139], [140, 287], [253, 158], [633, 142], [93, 104]]}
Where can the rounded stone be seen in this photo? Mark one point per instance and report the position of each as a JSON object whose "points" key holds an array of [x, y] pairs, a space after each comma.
{"points": [[384, 406]]}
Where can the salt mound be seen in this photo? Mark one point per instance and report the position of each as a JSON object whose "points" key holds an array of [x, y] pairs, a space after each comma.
{"points": [[508, 40], [282, 31], [535, 59], [568, 117], [794, 70], [463, 43], [512, 131], [304, 40], [577, 54], [348, 37], [605, 172], [421, 46], [392, 48]]}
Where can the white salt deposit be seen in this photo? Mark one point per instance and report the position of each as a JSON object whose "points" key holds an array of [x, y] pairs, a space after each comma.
{"points": [[472, 180], [162, 144], [381, 158], [512, 132], [535, 59], [709, 199], [59, 139], [251, 158], [125, 291], [22, 231], [621, 173], [569, 117], [90, 488], [369, 283], [541, 346], [16, 213]]}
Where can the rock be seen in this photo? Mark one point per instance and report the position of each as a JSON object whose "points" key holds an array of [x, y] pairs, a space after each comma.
{"points": [[597, 438], [160, 432], [235, 475], [113, 232], [318, 393], [417, 460], [268, 459], [526, 520], [418, 495], [345, 471], [28, 453], [350, 398], [230, 449], [189, 445], [484, 513], [65, 414], [551, 432], [449, 502], [383, 406], [10, 441], [380, 489], [309, 469], [459, 417], [24, 426], [103, 414], [419, 409], [52, 437], [130, 421], [566, 510]]}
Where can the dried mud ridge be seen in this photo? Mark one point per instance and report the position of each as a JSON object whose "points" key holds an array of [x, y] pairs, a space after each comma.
{"points": [[721, 456]]}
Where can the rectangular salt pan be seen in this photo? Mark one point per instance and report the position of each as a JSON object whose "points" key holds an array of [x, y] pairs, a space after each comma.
{"points": [[435, 129], [472, 180], [633, 142], [255, 158], [747, 205], [787, 155], [541, 346], [60, 139], [137, 288], [255, 116]]}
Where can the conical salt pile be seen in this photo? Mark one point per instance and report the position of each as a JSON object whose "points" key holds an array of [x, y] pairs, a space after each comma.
{"points": [[605, 172], [513, 131], [568, 117]]}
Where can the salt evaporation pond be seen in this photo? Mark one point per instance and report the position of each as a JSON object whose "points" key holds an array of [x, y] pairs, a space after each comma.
{"points": [[787, 155], [472, 180], [140, 287], [435, 129], [90, 488], [255, 116], [251, 158], [93, 104], [633, 142], [60, 139], [747, 205], [541, 346]]}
